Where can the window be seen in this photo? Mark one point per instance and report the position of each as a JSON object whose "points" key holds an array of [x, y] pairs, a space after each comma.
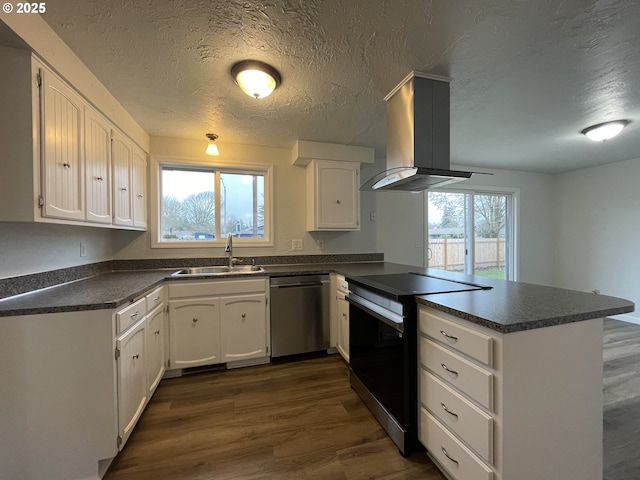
{"points": [[202, 204], [471, 232]]}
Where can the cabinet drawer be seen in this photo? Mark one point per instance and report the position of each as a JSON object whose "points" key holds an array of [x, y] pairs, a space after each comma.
{"points": [[476, 382], [458, 460], [470, 423], [130, 315], [154, 298], [470, 342], [216, 288]]}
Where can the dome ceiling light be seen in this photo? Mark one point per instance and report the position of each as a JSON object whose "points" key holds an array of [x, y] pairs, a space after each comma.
{"points": [[256, 79], [212, 148], [604, 131]]}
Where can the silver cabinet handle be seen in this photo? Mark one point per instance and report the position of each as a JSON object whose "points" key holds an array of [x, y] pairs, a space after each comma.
{"points": [[139, 196], [449, 456], [156, 299], [195, 320], [134, 315], [446, 335], [452, 372], [66, 165], [244, 315], [444, 407], [136, 356], [123, 189], [338, 202], [99, 178]]}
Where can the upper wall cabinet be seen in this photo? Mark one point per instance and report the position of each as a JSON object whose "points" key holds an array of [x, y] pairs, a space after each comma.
{"points": [[333, 196], [333, 183], [58, 153]]}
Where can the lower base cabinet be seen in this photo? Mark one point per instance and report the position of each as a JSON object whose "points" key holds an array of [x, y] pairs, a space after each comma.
{"points": [[195, 332], [217, 321], [518, 406], [132, 379]]}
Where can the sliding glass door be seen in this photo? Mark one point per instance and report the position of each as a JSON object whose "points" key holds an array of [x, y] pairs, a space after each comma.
{"points": [[470, 232]]}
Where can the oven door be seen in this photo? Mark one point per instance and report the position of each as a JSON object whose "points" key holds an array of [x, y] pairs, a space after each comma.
{"points": [[378, 355]]}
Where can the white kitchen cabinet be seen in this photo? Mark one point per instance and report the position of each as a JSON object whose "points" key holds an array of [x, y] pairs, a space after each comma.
{"points": [[342, 321], [97, 147], [218, 321], [195, 332], [333, 196], [510, 406], [139, 187], [57, 153], [121, 160], [155, 342], [62, 113], [243, 332], [132, 379]]}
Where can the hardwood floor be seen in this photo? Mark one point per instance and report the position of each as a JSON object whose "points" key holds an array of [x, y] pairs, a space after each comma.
{"points": [[287, 421], [621, 401], [302, 421]]}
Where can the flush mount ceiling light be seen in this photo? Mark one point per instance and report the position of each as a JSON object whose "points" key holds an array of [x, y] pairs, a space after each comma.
{"points": [[604, 131], [212, 148], [256, 79]]}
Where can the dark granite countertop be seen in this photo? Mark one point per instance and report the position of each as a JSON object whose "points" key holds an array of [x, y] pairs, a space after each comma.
{"points": [[507, 307]]}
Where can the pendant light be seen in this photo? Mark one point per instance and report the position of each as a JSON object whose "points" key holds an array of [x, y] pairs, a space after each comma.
{"points": [[256, 79], [604, 131], [212, 148]]}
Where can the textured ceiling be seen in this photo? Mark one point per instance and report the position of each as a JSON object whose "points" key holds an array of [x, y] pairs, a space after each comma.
{"points": [[527, 75]]}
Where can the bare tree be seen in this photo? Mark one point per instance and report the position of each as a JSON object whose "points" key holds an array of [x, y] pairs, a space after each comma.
{"points": [[199, 212]]}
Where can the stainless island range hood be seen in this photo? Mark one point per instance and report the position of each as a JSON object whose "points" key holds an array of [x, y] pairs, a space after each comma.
{"points": [[417, 137]]}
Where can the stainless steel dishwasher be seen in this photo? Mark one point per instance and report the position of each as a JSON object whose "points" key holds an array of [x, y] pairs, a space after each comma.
{"points": [[299, 314]]}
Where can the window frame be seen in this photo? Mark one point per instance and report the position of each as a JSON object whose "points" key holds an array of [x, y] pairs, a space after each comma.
{"points": [[513, 204], [155, 218]]}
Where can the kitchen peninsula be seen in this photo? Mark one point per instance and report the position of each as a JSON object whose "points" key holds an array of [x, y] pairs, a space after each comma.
{"points": [[540, 337]]}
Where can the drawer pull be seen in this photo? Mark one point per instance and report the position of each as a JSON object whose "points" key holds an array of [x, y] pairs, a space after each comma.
{"points": [[157, 332], [136, 356], [446, 335], [444, 407], [447, 369], [134, 315], [195, 320], [448, 456]]}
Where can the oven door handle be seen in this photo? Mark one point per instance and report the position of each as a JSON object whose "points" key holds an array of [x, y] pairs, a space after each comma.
{"points": [[392, 319]]}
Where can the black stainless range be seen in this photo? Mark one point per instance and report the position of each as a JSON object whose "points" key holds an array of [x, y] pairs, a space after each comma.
{"points": [[383, 346]]}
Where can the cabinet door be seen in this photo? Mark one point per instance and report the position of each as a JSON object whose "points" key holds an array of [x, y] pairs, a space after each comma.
{"points": [[336, 204], [132, 385], [243, 327], [195, 332], [62, 163], [155, 338], [97, 147], [343, 326], [139, 185], [121, 163]]}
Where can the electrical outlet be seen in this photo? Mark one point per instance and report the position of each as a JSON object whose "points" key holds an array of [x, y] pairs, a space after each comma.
{"points": [[320, 244], [296, 244], [83, 249], [372, 216]]}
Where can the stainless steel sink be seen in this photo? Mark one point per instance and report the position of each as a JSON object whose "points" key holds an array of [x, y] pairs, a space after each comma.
{"points": [[218, 270]]}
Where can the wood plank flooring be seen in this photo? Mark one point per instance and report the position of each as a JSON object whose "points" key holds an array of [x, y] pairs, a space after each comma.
{"points": [[285, 421], [621, 401], [301, 420]]}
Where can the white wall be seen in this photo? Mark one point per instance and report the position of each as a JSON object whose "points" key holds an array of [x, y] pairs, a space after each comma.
{"points": [[400, 223], [290, 207], [597, 231], [33, 247]]}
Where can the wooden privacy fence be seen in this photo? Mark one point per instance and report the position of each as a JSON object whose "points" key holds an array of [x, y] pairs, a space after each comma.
{"points": [[448, 253]]}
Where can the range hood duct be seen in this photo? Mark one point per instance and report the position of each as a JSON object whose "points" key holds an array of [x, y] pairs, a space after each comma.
{"points": [[417, 137]]}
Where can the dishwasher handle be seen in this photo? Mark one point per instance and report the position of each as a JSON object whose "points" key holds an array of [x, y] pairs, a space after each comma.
{"points": [[299, 284]]}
